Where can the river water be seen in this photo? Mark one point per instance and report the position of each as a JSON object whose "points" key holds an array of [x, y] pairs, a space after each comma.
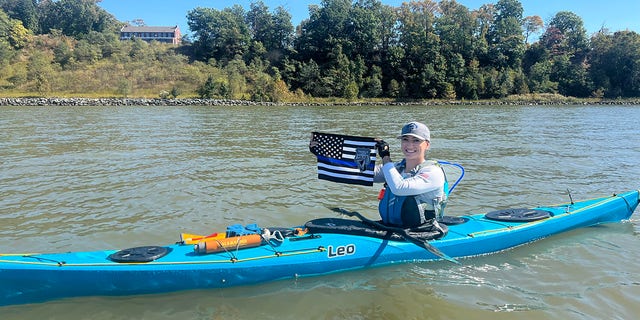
{"points": [[93, 178]]}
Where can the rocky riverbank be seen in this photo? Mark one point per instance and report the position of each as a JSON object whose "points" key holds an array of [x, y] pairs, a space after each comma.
{"points": [[117, 102], [226, 102]]}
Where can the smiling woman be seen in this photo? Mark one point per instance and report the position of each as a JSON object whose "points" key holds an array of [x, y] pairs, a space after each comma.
{"points": [[414, 187]]}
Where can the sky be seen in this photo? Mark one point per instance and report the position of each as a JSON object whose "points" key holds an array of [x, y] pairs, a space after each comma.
{"points": [[614, 15]]}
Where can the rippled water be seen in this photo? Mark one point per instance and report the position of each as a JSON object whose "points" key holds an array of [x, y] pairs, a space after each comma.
{"points": [[109, 178]]}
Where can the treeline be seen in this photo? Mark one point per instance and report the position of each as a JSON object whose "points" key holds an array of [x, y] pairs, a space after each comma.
{"points": [[346, 49]]}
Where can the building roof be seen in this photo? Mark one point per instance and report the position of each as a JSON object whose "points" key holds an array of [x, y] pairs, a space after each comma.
{"points": [[148, 29]]}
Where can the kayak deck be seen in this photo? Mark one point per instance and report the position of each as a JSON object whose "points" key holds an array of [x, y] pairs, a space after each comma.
{"points": [[28, 278]]}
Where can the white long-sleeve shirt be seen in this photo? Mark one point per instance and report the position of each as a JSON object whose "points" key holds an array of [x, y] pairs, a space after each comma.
{"points": [[427, 182]]}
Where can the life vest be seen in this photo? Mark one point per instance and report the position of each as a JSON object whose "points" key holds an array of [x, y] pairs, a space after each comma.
{"points": [[409, 211]]}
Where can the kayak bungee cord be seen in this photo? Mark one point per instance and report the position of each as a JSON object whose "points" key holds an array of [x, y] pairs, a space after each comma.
{"points": [[39, 260], [554, 217], [52, 262], [401, 232]]}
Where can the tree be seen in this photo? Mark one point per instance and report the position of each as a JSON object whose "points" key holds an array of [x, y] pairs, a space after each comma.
{"points": [[567, 44], [210, 89], [455, 28], [260, 23], [344, 41], [539, 78], [13, 32], [388, 50], [566, 35], [106, 43], [362, 31], [323, 31], [75, 17], [309, 79], [18, 35], [221, 35], [615, 63], [22, 10], [273, 31], [372, 86], [6, 54], [62, 54], [422, 66], [505, 38], [39, 72], [532, 25]]}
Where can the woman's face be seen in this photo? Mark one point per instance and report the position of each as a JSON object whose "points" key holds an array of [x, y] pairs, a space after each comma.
{"points": [[414, 148]]}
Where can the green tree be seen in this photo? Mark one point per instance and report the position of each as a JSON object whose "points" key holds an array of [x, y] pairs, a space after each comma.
{"points": [[505, 38], [566, 35], [273, 31], [539, 78], [175, 92], [372, 86], [322, 31], [309, 79], [615, 63], [18, 35], [484, 21], [362, 30], [39, 72], [339, 75], [422, 67], [12, 32], [22, 10], [456, 28], [106, 43], [389, 51], [220, 34], [62, 54], [7, 52], [125, 87], [75, 17], [260, 23], [208, 89], [85, 52], [567, 45], [338, 38]]}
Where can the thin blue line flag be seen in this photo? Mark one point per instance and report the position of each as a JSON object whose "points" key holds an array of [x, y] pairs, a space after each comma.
{"points": [[345, 159]]}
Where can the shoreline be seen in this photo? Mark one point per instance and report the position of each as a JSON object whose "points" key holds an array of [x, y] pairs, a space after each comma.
{"points": [[117, 102]]}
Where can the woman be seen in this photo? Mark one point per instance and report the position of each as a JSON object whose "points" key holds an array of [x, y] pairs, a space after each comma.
{"points": [[414, 187]]}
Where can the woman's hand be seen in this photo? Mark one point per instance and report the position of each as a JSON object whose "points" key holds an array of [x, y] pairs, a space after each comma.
{"points": [[383, 150]]}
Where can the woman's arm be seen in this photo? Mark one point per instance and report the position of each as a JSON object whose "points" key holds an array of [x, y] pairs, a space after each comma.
{"points": [[427, 179]]}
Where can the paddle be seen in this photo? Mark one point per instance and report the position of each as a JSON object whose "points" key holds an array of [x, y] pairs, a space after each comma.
{"points": [[402, 232]]}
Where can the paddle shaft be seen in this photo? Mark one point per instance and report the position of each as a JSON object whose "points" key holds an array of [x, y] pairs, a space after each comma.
{"points": [[402, 232]]}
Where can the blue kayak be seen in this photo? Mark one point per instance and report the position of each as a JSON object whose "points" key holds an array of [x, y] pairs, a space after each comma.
{"points": [[319, 247]]}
